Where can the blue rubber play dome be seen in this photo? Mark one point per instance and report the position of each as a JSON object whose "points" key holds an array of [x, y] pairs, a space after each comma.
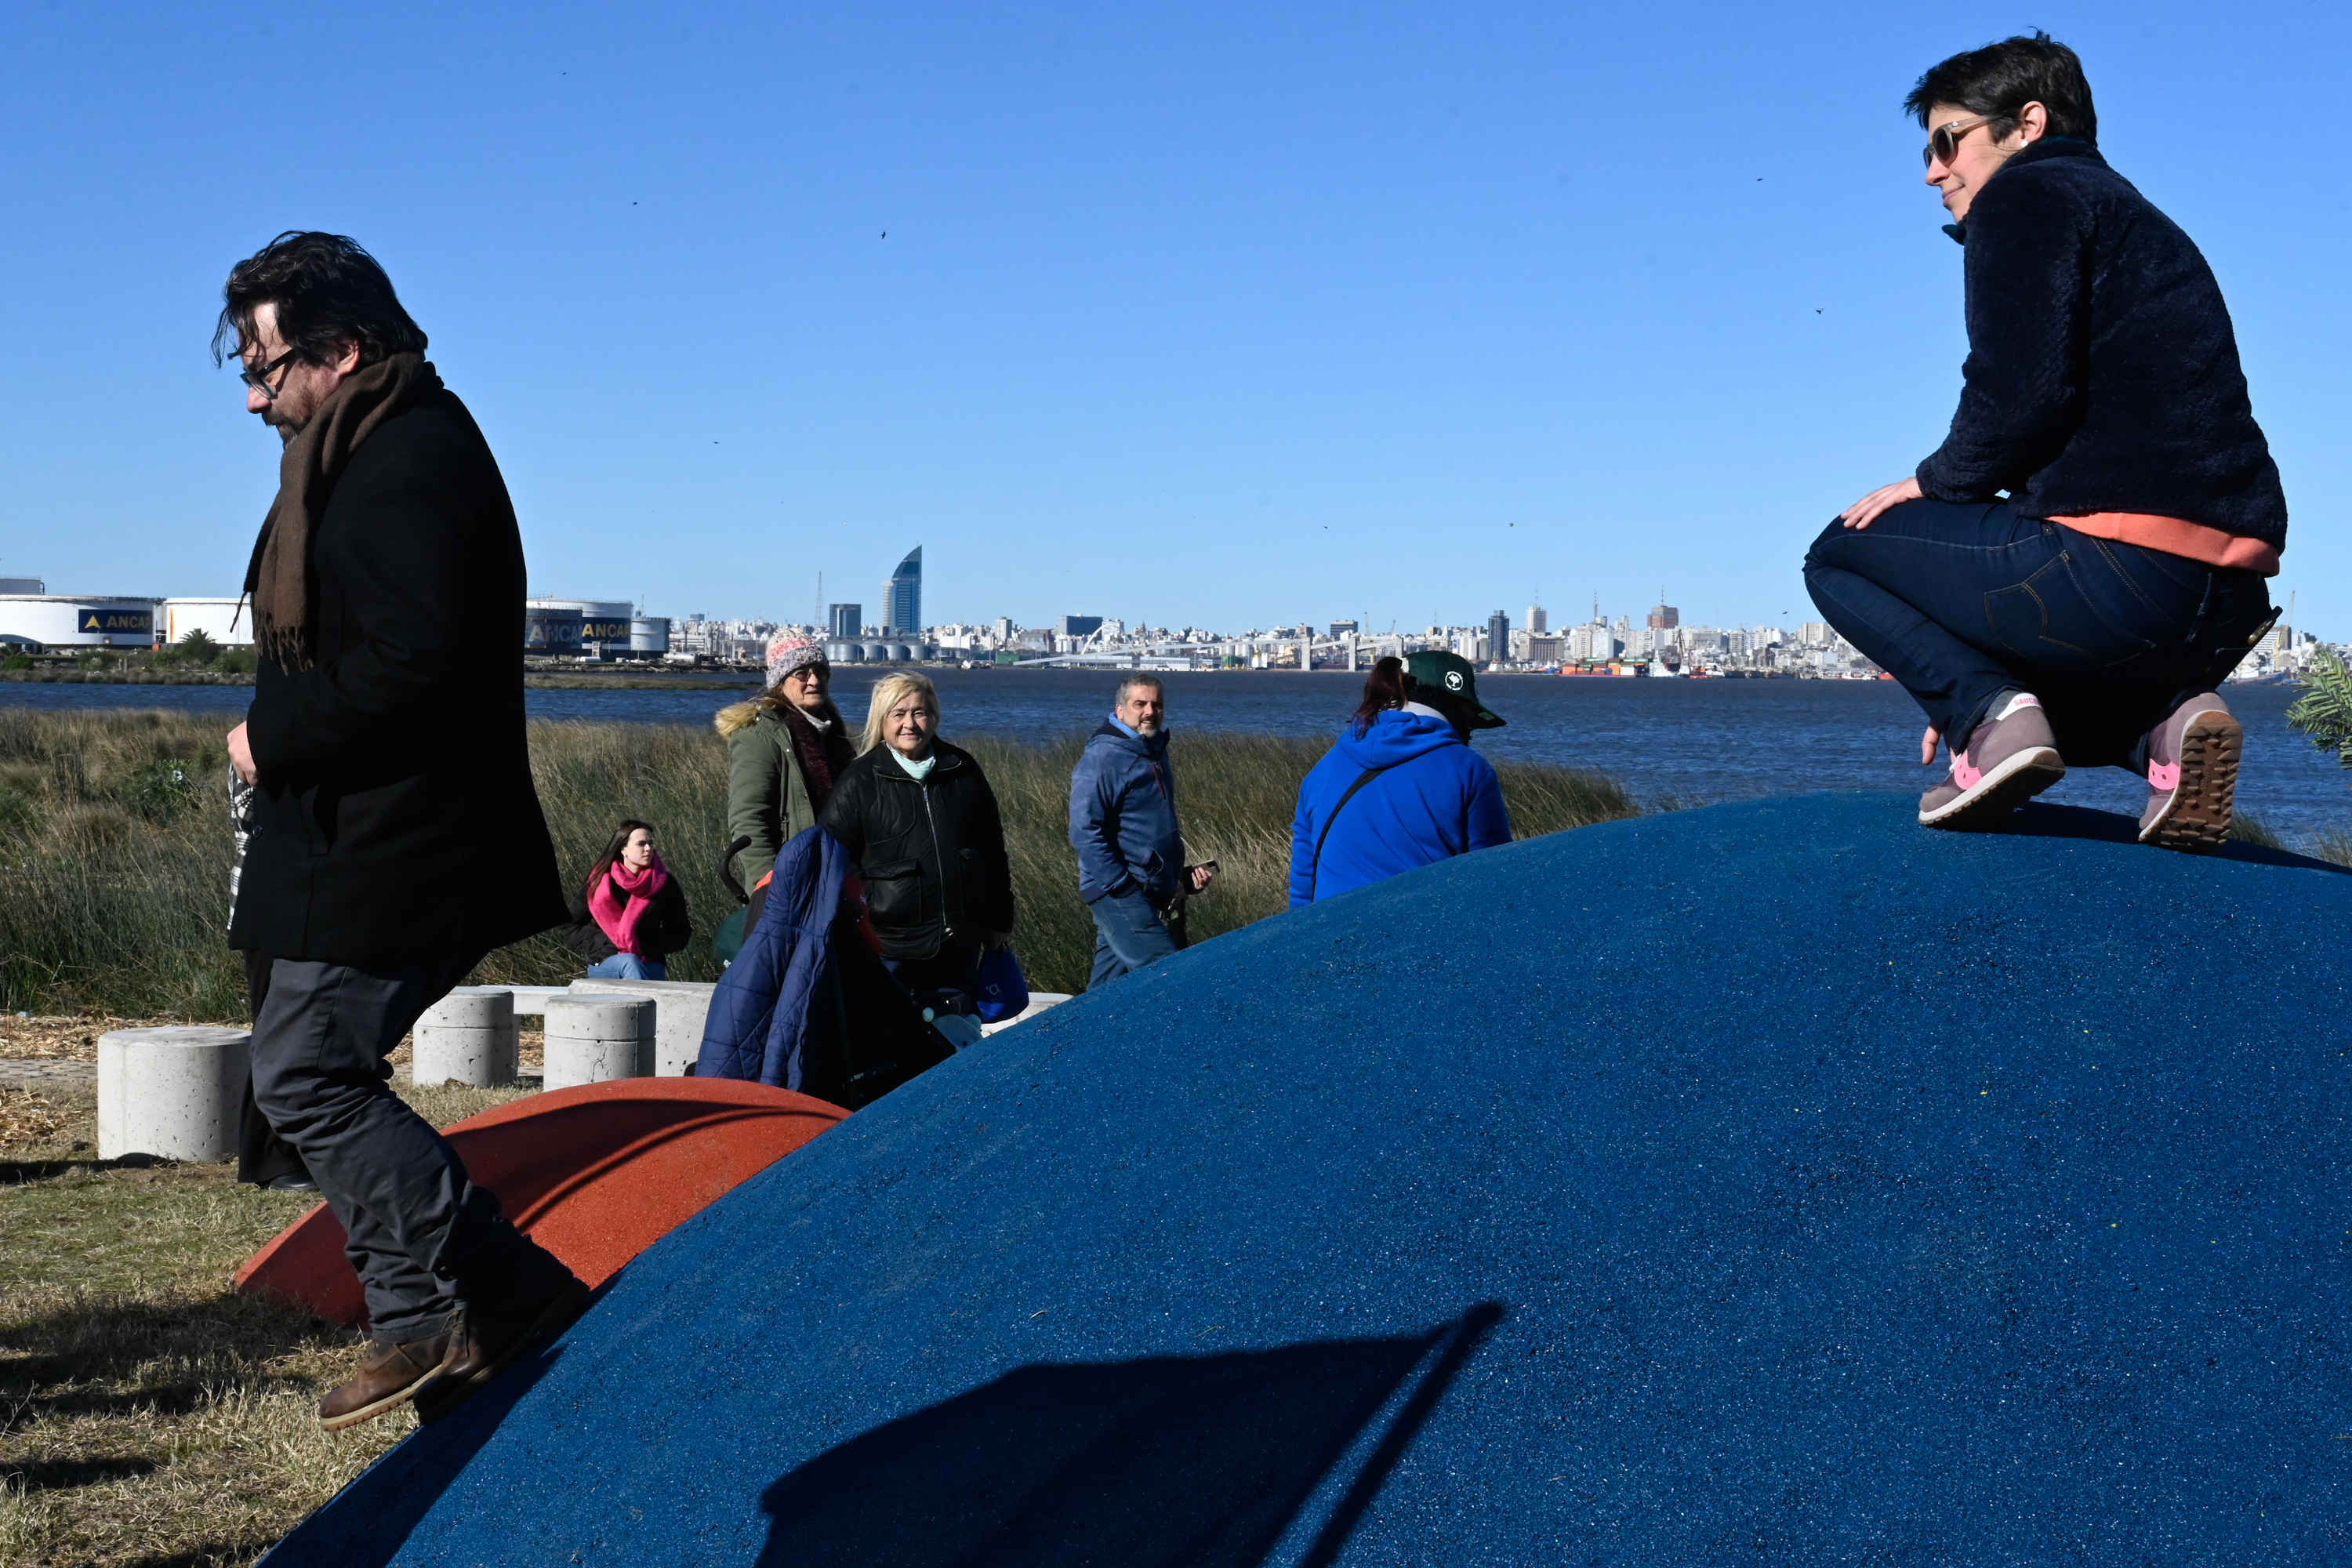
{"points": [[1772, 1183]]}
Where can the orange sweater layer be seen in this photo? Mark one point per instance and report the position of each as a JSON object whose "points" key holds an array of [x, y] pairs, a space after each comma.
{"points": [[2175, 536]]}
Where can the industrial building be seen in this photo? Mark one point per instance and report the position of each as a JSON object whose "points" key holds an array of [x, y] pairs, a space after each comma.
{"points": [[43, 621], [592, 629]]}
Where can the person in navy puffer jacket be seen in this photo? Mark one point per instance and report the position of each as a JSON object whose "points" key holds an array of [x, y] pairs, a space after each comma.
{"points": [[1401, 788]]}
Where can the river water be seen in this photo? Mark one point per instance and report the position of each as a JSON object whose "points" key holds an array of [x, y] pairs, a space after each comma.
{"points": [[1693, 741]]}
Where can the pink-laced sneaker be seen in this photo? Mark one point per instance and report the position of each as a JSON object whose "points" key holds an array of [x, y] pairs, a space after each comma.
{"points": [[2009, 758], [2192, 776]]}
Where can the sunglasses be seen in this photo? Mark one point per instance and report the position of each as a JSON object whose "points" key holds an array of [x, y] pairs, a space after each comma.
{"points": [[1944, 141]]}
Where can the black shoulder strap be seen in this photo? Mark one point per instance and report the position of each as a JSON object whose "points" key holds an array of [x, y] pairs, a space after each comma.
{"points": [[1316, 871]]}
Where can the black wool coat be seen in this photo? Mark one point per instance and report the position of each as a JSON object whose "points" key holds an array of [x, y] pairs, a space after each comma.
{"points": [[2102, 372], [931, 855], [396, 818]]}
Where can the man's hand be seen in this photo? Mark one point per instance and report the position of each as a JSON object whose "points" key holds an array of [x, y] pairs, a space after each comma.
{"points": [[998, 940], [240, 756], [1864, 512], [1927, 745], [1201, 876]]}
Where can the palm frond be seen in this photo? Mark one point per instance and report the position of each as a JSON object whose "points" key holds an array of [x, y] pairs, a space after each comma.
{"points": [[2323, 711]]}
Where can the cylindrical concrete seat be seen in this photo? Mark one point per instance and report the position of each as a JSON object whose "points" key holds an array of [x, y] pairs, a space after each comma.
{"points": [[173, 1092], [595, 1039], [468, 1037], [681, 1009]]}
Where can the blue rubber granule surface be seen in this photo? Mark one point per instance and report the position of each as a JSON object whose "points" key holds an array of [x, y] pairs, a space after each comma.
{"points": [[1772, 1183]]}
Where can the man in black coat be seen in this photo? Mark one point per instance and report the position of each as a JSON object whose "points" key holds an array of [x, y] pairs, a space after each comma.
{"points": [[396, 837]]}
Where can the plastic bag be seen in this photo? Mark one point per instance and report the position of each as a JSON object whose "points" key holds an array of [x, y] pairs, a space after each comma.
{"points": [[1003, 989]]}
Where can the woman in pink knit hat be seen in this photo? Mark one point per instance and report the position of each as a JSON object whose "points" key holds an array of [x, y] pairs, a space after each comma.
{"points": [[784, 748]]}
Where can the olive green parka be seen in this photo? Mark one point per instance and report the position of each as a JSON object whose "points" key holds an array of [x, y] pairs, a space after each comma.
{"points": [[767, 793]]}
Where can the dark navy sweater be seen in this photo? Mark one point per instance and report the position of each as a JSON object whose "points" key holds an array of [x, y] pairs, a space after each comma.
{"points": [[2102, 372]]}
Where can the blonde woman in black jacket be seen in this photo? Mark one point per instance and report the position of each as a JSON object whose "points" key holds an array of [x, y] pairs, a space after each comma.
{"points": [[922, 824]]}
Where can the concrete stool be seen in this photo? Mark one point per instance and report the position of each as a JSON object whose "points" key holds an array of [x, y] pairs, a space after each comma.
{"points": [[681, 1009], [595, 1039], [173, 1093], [1039, 1001], [468, 1037]]}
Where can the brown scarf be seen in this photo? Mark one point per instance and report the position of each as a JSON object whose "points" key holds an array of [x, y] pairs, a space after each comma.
{"points": [[285, 607]]}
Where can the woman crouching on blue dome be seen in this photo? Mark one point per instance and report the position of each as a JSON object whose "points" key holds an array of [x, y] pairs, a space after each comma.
{"points": [[2066, 578], [1401, 788]]}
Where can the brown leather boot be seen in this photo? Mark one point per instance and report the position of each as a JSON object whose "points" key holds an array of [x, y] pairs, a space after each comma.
{"points": [[485, 1339], [389, 1375]]}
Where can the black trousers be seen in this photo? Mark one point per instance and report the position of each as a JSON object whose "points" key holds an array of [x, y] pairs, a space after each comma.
{"points": [[424, 1240]]}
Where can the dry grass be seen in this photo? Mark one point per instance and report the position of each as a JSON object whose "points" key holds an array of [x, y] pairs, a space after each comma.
{"points": [[118, 827], [28, 1116], [148, 1415], [1235, 794]]}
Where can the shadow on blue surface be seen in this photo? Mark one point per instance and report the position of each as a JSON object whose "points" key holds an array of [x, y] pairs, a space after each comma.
{"points": [[1206, 1461], [2046, 819], [1860, 1193]]}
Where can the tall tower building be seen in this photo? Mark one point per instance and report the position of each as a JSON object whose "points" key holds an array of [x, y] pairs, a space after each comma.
{"points": [[845, 623], [902, 598], [1538, 623], [1498, 638], [1663, 615]]}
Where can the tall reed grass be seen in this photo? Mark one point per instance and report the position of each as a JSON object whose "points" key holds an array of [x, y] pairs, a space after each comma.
{"points": [[114, 838]]}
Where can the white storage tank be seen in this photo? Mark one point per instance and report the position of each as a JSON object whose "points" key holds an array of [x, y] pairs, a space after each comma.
{"points": [[66, 620], [648, 636], [844, 653], [603, 624], [551, 626], [214, 617]]}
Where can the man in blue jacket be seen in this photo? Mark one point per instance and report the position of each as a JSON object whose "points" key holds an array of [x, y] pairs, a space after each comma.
{"points": [[1131, 869]]}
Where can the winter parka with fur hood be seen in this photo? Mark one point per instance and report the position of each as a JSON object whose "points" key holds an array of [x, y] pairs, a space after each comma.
{"points": [[768, 796]]}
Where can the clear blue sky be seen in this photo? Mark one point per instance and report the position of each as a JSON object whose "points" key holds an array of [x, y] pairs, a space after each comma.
{"points": [[1227, 313]]}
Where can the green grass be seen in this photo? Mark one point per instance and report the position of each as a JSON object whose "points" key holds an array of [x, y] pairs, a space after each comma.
{"points": [[148, 1415], [116, 828]]}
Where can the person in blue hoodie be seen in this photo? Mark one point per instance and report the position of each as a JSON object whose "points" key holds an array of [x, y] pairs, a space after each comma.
{"points": [[1401, 788], [1131, 869]]}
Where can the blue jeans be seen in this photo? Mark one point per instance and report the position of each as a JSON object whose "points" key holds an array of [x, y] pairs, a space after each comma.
{"points": [[1961, 603], [629, 966], [1128, 934]]}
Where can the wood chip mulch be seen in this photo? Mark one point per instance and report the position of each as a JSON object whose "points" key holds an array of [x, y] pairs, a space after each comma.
{"points": [[68, 1038]]}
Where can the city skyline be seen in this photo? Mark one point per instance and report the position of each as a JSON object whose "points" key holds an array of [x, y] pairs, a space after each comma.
{"points": [[1394, 312]]}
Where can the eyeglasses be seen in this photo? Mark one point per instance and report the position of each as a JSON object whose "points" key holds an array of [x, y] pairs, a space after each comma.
{"points": [[1944, 141], [259, 378]]}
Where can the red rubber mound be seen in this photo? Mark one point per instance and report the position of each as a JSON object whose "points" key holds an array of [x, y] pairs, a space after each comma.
{"points": [[596, 1174]]}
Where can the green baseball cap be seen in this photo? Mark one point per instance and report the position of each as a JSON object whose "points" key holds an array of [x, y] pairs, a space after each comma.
{"points": [[1451, 673]]}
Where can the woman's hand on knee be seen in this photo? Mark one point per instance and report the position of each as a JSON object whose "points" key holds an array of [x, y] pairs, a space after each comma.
{"points": [[1864, 512]]}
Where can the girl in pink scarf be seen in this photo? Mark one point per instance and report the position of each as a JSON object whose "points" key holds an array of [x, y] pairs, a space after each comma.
{"points": [[634, 905]]}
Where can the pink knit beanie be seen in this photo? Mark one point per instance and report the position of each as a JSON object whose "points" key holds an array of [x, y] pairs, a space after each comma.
{"points": [[791, 651]]}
